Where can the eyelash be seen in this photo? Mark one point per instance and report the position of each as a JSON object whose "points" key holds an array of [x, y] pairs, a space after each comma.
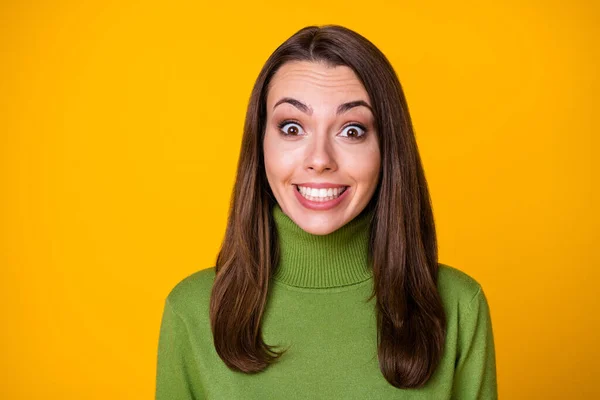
{"points": [[289, 121]]}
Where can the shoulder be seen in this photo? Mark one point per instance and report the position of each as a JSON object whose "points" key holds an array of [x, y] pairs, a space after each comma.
{"points": [[457, 289], [192, 293]]}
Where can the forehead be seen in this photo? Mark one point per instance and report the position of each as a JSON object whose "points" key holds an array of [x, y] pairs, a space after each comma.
{"points": [[316, 83]]}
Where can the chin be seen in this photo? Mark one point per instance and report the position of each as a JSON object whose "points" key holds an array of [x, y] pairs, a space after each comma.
{"points": [[317, 225], [319, 230]]}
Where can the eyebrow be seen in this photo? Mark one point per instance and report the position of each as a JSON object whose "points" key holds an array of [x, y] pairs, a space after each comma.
{"points": [[342, 108]]}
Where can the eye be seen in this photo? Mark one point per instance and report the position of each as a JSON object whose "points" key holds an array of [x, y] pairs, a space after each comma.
{"points": [[354, 131], [289, 128]]}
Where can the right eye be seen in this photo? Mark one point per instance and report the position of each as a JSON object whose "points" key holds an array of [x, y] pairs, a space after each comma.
{"points": [[289, 128]]}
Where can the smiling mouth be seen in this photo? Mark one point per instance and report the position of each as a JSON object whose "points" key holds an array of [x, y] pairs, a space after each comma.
{"points": [[321, 195]]}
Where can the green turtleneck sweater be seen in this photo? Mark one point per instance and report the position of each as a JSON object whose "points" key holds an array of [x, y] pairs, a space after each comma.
{"points": [[317, 310]]}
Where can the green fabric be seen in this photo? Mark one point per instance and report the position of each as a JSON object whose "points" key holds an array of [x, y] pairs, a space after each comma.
{"points": [[317, 308]]}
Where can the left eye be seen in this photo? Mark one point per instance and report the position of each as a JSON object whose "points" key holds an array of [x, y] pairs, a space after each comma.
{"points": [[290, 128], [353, 131]]}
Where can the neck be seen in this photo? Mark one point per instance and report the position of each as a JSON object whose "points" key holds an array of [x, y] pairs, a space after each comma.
{"points": [[337, 259]]}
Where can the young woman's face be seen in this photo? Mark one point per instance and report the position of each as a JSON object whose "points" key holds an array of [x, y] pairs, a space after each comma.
{"points": [[320, 139]]}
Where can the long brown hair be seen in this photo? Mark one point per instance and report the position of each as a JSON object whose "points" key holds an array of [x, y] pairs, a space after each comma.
{"points": [[411, 324]]}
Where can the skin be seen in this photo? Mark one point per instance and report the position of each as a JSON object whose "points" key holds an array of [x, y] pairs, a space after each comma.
{"points": [[321, 145]]}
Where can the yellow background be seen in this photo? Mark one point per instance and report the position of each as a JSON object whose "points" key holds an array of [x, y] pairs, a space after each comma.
{"points": [[120, 126]]}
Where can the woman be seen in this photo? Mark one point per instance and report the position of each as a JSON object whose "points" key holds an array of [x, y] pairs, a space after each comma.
{"points": [[327, 285]]}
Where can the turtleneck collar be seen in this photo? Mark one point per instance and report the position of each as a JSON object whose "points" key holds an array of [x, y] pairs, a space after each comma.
{"points": [[337, 259]]}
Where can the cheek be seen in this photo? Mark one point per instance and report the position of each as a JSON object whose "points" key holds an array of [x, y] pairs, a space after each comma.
{"points": [[279, 164], [364, 167], [373, 164], [370, 174]]}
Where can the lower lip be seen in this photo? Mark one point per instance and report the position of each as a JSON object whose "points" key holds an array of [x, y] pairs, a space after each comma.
{"points": [[320, 205]]}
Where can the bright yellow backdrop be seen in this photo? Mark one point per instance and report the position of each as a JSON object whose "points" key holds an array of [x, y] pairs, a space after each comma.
{"points": [[120, 125]]}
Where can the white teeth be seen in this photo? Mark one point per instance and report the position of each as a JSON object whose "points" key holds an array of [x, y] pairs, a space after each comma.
{"points": [[320, 194]]}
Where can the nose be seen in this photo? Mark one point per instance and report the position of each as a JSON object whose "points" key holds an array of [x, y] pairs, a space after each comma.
{"points": [[320, 155]]}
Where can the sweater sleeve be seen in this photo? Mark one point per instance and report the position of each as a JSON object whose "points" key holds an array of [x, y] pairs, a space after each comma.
{"points": [[175, 366], [475, 372]]}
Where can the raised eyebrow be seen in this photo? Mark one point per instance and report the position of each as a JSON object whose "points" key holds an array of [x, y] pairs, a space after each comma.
{"points": [[342, 108], [296, 103], [347, 106]]}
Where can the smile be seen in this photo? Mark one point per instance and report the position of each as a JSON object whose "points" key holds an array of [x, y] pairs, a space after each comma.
{"points": [[322, 194], [321, 199]]}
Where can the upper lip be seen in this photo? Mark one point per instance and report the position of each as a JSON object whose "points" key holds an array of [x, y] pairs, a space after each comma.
{"points": [[323, 185]]}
